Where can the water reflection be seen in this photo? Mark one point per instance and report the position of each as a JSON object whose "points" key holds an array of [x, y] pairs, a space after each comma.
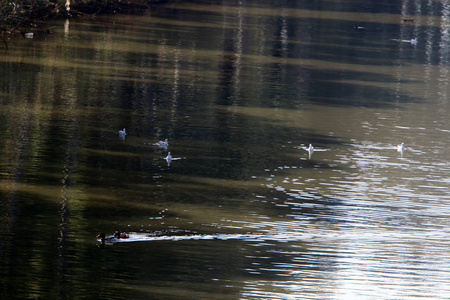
{"points": [[245, 211]]}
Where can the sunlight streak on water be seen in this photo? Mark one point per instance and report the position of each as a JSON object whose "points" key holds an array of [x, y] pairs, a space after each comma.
{"points": [[386, 214]]}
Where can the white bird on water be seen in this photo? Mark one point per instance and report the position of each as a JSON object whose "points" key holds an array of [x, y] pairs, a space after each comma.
{"points": [[163, 144], [412, 41], [168, 158], [401, 147], [310, 150], [122, 134]]}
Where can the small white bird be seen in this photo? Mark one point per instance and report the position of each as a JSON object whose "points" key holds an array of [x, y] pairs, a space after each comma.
{"points": [[401, 147], [162, 144], [310, 150], [122, 134], [168, 158]]}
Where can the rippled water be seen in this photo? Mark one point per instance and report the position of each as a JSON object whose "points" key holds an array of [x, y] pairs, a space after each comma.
{"points": [[243, 211]]}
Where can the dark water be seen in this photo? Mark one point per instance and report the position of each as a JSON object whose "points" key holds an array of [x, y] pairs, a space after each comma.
{"points": [[239, 89]]}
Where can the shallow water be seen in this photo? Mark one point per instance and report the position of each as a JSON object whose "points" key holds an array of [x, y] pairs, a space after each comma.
{"points": [[243, 211]]}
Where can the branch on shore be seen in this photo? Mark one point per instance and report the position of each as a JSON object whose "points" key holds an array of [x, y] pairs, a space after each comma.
{"points": [[6, 44]]}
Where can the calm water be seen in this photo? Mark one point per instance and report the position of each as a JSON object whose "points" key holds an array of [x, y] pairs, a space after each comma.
{"points": [[239, 89]]}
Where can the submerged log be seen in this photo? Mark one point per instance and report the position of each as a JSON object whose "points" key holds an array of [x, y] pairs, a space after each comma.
{"points": [[6, 44]]}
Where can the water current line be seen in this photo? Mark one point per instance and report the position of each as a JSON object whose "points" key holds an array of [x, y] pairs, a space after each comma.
{"points": [[143, 237]]}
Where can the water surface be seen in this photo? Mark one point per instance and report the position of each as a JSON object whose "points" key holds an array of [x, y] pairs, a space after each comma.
{"points": [[239, 89]]}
